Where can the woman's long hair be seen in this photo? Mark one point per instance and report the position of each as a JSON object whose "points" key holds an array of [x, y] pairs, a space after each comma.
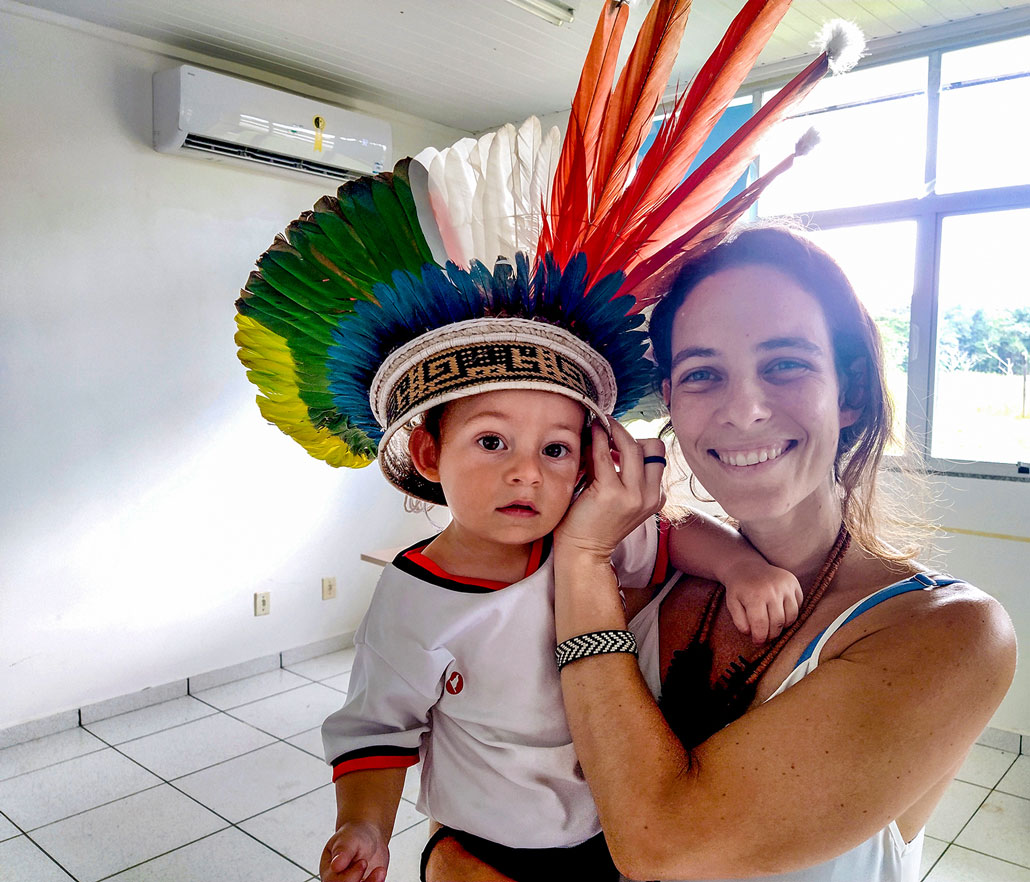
{"points": [[858, 357]]}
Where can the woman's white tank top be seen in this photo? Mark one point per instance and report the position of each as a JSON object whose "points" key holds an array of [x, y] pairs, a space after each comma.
{"points": [[884, 857]]}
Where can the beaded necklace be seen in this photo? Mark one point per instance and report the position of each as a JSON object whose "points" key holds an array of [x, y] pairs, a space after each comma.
{"points": [[695, 707]]}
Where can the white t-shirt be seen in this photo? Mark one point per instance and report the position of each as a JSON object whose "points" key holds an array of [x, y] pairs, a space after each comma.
{"points": [[461, 675]]}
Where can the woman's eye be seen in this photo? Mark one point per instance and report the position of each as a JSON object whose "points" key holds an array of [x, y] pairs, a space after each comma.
{"points": [[556, 451], [490, 442], [698, 375], [787, 366]]}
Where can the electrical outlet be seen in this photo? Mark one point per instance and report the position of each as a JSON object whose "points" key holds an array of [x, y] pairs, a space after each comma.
{"points": [[328, 587], [262, 604]]}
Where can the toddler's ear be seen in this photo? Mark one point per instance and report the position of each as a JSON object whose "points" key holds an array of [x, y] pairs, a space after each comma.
{"points": [[425, 454]]}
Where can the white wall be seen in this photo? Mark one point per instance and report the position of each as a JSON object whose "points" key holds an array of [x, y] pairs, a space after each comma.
{"points": [[144, 499], [1000, 566]]}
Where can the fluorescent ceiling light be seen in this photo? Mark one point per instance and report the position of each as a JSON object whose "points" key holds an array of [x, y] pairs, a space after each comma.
{"points": [[549, 10]]}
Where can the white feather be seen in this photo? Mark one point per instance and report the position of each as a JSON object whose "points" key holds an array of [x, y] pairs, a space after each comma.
{"points": [[527, 215], [487, 196], [498, 198], [418, 175], [451, 186], [843, 43], [543, 178], [807, 142]]}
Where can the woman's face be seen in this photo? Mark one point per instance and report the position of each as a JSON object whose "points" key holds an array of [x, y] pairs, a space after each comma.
{"points": [[753, 393]]}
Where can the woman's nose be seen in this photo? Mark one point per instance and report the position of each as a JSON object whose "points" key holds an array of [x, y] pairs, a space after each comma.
{"points": [[744, 403]]}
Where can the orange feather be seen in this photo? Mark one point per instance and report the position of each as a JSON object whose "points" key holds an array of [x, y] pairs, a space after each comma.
{"points": [[685, 130], [570, 194], [708, 183], [640, 88], [652, 278]]}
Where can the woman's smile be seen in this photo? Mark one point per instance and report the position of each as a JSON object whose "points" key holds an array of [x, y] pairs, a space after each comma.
{"points": [[753, 455]]}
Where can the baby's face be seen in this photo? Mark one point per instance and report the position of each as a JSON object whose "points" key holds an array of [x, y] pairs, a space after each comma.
{"points": [[509, 462]]}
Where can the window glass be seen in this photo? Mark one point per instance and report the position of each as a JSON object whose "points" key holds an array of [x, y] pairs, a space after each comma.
{"points": [[984, 127], [872, 128], [981, 408], [736, 114], [879, 259]]}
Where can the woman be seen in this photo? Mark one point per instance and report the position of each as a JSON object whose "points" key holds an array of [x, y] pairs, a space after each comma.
{"points": [[773, 376]]}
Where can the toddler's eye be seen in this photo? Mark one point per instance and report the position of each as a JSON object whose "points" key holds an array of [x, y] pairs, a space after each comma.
{"points": [[556, 450], [490, 442]]}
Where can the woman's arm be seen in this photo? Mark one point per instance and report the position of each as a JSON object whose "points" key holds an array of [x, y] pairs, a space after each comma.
{"points": [[806, 776]]}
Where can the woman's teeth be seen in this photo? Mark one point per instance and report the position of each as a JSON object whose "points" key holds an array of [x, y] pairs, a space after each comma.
{"points": [[749, 457]]}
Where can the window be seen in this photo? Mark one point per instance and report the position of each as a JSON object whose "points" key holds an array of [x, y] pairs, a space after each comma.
{"points": [[856, 163], [885, 288], [983, 337], [921, 189]]}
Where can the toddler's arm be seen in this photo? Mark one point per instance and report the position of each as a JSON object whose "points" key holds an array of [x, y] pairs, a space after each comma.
{"points": [[761, 599], [366, 804]]}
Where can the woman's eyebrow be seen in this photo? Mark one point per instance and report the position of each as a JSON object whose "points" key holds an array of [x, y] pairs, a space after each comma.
{"points": [[790, 343], [691, 352]]}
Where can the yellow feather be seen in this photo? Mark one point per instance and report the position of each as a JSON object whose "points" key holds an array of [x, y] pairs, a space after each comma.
{"points": [[280, 402]]}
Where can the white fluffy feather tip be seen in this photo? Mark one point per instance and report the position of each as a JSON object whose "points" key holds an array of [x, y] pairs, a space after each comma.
{"points": [[806, 143], [843, 43]]}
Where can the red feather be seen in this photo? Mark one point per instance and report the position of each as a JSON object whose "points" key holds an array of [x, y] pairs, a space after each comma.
{"points": [[701, 192], [653, 277], [695, 114], [570, 193], [641, 85]]}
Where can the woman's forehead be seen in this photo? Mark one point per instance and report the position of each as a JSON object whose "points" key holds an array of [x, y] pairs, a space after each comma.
{"points": [[754, 304]]}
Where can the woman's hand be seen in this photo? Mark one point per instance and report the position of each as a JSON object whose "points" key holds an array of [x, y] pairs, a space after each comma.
{"points": [[615, 501]]}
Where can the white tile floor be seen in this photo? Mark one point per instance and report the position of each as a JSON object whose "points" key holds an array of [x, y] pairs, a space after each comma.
{"points": [[229, 785]]}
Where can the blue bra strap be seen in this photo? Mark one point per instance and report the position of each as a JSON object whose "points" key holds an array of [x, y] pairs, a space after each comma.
{"points": [[919, 582]]}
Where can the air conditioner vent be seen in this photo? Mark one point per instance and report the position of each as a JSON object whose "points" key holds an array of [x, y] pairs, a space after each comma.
{"points": [[200, 112], [265, 157]]}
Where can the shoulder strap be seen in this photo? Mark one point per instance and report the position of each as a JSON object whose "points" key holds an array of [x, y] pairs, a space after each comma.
{"points": [[918, 582]]}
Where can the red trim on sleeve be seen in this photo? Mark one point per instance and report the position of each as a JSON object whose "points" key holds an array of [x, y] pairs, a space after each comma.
{"points": [[661, 564], [373, 762]]}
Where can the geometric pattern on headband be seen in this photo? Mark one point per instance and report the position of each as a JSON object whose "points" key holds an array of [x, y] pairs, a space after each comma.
{"points": [[473, 364]]}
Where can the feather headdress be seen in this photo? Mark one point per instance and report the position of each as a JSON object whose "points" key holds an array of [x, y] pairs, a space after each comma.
{"points": [[515, 260]]}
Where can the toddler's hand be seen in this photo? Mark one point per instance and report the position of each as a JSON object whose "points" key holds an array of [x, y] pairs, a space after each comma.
{"points": [[762, 599], [356, 849]]}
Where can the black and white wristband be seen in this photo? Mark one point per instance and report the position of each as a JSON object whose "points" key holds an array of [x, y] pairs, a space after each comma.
{"points": [[595, 643]]}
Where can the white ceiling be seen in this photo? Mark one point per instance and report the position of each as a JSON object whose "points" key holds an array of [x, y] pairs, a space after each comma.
{"points": [[474, 64]]}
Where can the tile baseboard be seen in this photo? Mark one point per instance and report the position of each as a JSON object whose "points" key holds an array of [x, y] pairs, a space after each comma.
{"points": [[40, 728], [111, 707], [1003, 739], [221, 676], [322, 647]]}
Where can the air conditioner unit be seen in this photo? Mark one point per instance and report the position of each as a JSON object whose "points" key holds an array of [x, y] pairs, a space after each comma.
{"points": [[201, 113]]}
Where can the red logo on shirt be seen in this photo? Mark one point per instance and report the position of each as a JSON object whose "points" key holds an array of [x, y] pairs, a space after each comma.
{"points": [[455, 683]]}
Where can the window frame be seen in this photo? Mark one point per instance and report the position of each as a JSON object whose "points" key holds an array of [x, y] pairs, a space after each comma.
{"points": [[928, 213]]}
